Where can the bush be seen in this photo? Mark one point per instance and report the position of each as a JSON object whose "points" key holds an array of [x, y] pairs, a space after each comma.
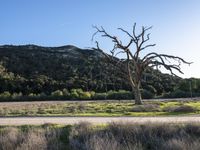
{"points": [[177, 94], [147, 95], [100, 96], [146, 108], [185, 108], [32, 95], [16, 95], [66, 93], [5, 95], [85, 95], [121, 94], [92, 93], [79, 91], [180, 94], [182, 108], [82, 107], [57, 93], [150, 88], [44, 96], [75, 93], [80, 94]]}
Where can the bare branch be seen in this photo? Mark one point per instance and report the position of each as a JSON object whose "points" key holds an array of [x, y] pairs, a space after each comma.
{"points": [[134, 26], [167, 67], [144, 29], [120, 52], [150, 45], [154, 55], [126, 33], [133, 66]]}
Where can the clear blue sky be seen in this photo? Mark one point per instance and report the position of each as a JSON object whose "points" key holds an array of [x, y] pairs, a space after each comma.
{"points": [[176, 24]]}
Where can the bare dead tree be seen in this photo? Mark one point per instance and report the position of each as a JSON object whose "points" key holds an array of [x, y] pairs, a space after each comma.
{"points": [[135, 63]]}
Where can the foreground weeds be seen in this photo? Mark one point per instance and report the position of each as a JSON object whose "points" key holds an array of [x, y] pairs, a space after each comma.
{"points": [[33, 138], [135, 137], [115, 136]]}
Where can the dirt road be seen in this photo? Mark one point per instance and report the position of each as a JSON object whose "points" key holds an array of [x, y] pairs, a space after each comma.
{"points": [[95, 120]]}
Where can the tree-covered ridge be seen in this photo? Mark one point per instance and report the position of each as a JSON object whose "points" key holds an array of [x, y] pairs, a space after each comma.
{"points": [[35, 69]]}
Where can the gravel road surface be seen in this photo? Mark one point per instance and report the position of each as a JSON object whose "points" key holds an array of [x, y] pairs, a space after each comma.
{"points": [[95, 120]]}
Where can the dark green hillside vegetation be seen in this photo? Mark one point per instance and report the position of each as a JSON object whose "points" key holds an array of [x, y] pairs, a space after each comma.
{"points": [[34, 70]]}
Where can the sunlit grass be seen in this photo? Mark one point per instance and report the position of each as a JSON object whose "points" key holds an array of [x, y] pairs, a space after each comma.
{"points": [[99, 108]]}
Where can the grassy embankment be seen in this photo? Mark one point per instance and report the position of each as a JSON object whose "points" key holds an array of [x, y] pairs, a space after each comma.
{"points": [[84, 136], [100, 108]]}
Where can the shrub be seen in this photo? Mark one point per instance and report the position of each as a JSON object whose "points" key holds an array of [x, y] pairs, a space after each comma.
{"points": [[100, 96], [185, 108], [182, 108], [79, 91], [150, 88], [57, 93], [16, 95], [71, 109], [147, 94], [32, 95], [44, 96], [92, 93], [146, 108], [121, 94], [82, 107], [180, 94], [5, 95], [41, 111], [85, 95], [177, 94], [65, 92], [75, 93]]}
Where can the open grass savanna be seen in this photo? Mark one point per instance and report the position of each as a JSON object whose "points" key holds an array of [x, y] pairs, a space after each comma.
{"points": [[101, 108], [84, 136]]}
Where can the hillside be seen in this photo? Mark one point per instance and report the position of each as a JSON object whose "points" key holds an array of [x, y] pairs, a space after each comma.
{"points": [[36, 69]]}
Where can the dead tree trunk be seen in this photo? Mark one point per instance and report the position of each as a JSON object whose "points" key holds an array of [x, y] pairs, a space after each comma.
{"points": [[137, 94], [136, 65], [134, 82]]}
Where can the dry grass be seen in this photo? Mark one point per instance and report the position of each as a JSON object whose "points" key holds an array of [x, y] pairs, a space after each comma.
{"points": [[33, 138], [181, 109], [146, 108], [135, 137], [99, 108], [115, 136]]}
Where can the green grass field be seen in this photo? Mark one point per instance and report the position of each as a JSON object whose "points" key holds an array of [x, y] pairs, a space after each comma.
{"points": [[100, 108]]}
